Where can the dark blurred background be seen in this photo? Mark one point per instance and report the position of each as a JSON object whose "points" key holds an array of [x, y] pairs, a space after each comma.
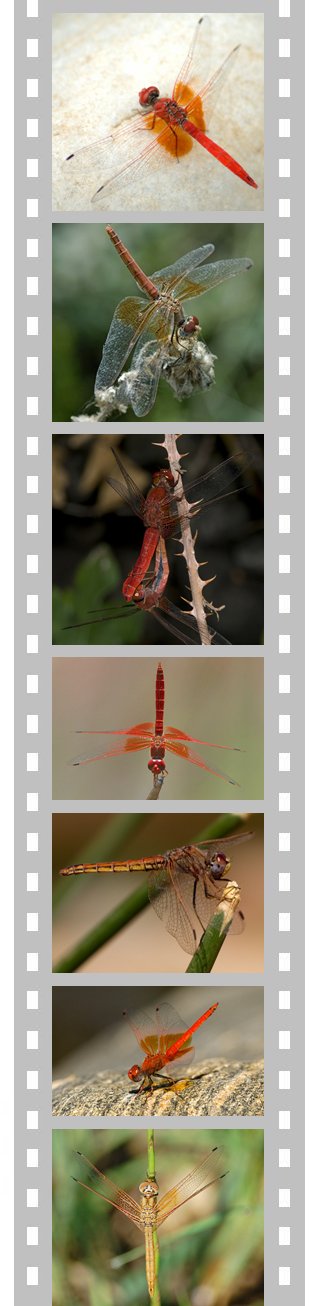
{"points": [[211, 1250], [81, 902], [89, 280], [90, 1033], [97, 537]]}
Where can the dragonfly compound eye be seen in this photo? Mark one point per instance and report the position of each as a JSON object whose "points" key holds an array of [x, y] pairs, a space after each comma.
{"points": [[134, 1072], [148, 95], [218, 865], [149, 1188], [189, 326]]}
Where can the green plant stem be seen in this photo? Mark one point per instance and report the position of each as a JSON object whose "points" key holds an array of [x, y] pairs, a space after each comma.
{"points": [[104, 846], [212, 941], [105, 930], [204, 957], [189, 1230], [151, 1174]]}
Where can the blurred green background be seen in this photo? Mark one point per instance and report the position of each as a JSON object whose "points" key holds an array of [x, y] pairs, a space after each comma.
{"points": [[211, 1250], [89, 279]]}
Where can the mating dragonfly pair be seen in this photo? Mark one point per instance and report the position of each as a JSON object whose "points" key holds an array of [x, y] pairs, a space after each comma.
{"points": [[165, 512]]}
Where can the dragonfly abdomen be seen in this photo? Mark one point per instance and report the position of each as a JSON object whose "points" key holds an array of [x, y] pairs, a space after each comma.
{"points": [[150, 1260]]}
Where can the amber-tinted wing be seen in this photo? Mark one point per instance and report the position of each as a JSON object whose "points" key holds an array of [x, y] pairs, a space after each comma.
{"points": [[209, 1171], [112, 1194]]}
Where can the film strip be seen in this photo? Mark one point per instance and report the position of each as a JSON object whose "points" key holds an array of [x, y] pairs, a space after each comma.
{"points": [[283, 791]]}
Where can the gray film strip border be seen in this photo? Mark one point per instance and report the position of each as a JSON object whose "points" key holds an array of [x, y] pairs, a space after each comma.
{"points": [[32, 683], [284, 677], [283, 1101]]}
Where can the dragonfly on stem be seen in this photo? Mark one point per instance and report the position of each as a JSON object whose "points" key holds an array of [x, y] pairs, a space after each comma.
{"points": [[149, 734], [151, 1211], [174, 124], [185, 885], [159, 512], [164, 1038], [176, 352]]}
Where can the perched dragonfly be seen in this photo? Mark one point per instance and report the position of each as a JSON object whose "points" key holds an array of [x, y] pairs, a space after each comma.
{"points": [[174, 124], [160, 516], [185, 884], [151, 1211], [160, 315], [149, 734], [164, 1038]]}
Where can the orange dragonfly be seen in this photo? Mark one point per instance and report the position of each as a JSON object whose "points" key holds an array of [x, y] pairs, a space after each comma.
{"points": [[161, 315], [174, 124], [149, 734], [151, 1211], [185, 885], [164, 1038]]}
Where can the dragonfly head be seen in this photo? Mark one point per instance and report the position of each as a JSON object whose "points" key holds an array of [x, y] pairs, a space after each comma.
{"points": [[156, 765], [135, 1073], [217, 864], [149, 1188], [189, 327], [162, 477], [148, 96]]}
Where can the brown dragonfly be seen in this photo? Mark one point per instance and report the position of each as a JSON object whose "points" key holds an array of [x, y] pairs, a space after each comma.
{"points": [[184, 885], [151, 1211]]}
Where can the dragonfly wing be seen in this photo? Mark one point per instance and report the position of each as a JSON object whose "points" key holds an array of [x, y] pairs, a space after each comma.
{"points": [[209, 1171], [115, 1196], [128, 320], [172, 904], [128, 745], [170, 1027], [209, 93], [183, 264], [229, 841], [182, 750], [146, 366], [211, 276]]}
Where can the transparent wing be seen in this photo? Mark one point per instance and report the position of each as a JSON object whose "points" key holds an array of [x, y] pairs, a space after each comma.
{"points": [[168, 901], [112, 1194], [182, 750], [183, 264], [207, 278], [209, 1171], [128, 320]]}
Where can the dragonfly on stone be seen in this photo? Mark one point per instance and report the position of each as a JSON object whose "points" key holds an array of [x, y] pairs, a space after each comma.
{"points": [[164, 1038], [169, 125], [175, 352], [150, 1212], [185, 885]]}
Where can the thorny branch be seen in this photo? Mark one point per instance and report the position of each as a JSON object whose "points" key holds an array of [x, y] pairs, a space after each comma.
{"points": [[197, 585]]}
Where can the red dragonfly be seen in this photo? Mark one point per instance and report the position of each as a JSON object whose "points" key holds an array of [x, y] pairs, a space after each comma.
{"points": [[175, 122], [152, 1210], [159, 514], [149, 734], [164, 1038], [135, 320], [185, 884]]}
